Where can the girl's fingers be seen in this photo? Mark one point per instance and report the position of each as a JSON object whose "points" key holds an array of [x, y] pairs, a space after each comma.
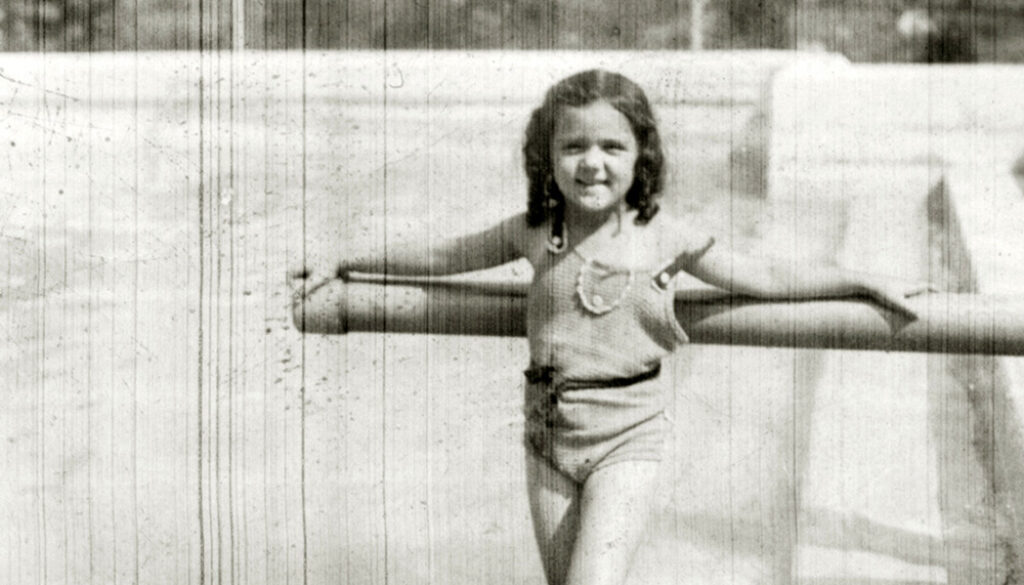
{"points": [[303, 289], [304, 281], [903, 308], [298, 277], [295, 276], [921, 288], [896, 302]]}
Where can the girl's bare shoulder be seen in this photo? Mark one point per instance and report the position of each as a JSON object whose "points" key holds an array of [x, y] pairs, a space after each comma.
{"points": [[515, 225], [678, 234], [527, 239]]}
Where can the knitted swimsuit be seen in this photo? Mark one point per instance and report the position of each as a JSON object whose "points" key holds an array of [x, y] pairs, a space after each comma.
{"points": [[593, 397]]}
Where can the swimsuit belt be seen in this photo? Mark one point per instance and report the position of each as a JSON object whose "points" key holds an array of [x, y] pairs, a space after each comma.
{"points": [[547, 375]]}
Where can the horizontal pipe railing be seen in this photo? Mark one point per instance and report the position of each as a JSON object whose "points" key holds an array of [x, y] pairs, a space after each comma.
{"points": [[946, 323]]}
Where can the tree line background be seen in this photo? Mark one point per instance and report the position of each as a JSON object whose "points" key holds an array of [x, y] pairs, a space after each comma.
{"points": [[865, 30]]}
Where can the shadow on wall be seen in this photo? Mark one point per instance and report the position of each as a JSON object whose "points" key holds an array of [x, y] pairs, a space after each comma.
{"points": [[748, 159], [1018, 172]]}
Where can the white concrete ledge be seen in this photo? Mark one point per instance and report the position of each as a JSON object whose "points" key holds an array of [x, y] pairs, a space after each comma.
{"points": [[986, 212], [404, 77], [830, 113]]}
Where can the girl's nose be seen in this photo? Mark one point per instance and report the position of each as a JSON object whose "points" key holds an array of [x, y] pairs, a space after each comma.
{"points": [[591, 159]]}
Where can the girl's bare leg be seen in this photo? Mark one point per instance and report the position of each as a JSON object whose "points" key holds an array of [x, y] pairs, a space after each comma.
{"points": [[554, 504], [615, 506]]}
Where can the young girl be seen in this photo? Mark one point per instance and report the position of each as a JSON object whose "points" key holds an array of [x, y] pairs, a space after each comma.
{"points": [[601, 315]]}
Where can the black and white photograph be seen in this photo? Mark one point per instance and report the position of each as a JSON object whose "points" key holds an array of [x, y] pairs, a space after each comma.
{"points": [[525, 292]]}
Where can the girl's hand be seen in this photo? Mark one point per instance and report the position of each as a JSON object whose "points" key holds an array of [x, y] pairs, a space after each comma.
{"points": [[893, 294], [304, 280]]}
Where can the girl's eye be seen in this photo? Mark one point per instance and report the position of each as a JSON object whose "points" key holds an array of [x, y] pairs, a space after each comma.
{"points": [[615, 146]]}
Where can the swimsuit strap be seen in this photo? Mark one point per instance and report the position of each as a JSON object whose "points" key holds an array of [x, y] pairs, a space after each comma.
{"points": [[663, 277]]}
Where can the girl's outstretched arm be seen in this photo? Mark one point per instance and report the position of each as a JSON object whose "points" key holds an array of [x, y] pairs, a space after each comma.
{"points": [[494, 246], [775, 278]]}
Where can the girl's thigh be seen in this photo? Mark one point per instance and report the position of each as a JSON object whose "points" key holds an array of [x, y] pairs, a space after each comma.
{"points": [[615, 507], [554, 505]]}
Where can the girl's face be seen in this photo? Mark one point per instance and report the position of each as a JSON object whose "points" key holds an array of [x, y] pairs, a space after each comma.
{"points": [[593, 152]]}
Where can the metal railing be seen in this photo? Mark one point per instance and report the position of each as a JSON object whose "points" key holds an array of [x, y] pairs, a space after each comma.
{"points": [[946, 323]]}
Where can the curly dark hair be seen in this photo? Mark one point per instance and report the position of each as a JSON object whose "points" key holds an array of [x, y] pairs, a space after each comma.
{"points": [[580, 90]]}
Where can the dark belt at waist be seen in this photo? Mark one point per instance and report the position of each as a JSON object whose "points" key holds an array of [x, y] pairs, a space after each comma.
{"points": [[546, 375]]}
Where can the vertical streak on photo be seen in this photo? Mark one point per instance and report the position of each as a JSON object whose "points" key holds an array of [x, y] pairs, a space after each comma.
{"points": [[202, 279], [135, 299], [302, 361]]}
